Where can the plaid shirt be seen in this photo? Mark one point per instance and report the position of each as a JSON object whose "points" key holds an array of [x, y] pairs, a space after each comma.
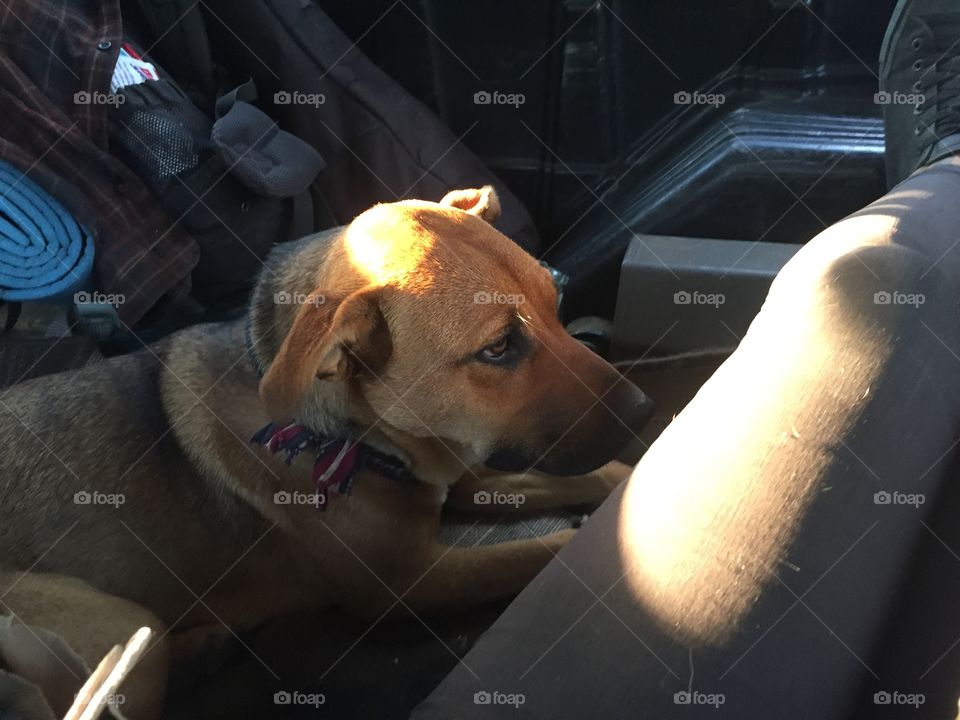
{"points": [[50, 50]]}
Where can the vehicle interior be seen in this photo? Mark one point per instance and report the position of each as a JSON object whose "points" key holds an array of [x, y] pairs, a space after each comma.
{"points": [[674, 159]]}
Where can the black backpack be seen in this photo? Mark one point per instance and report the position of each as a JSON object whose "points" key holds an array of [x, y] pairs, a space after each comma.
{"points": [[274, 125], [232, 179]]}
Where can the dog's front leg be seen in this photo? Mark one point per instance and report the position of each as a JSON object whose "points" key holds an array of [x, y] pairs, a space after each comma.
{"points": [[461, 578], [479, 492]]}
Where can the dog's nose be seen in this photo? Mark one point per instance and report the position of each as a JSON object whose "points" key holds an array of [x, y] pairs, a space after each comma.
{"points": [[631, 405]]}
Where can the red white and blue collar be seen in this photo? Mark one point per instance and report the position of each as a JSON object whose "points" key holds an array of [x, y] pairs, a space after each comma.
{"points": [[337, 459]]}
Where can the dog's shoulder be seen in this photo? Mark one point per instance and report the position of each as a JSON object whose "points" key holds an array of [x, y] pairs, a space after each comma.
{"points": [[198, 364], [197, 355], [208, 387]]}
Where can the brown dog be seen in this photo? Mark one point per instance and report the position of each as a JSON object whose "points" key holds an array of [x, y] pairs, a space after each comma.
{"points": [[419, 331]]}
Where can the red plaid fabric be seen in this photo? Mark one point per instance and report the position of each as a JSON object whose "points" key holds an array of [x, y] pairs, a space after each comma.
{"points": [[49, 51]]}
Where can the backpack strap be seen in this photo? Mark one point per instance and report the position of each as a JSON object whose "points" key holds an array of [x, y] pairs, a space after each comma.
{"points": [[244, 92], [239, 122]]}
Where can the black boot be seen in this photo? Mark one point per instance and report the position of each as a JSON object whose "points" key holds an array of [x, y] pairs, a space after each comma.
{"points": [[920, 85]]}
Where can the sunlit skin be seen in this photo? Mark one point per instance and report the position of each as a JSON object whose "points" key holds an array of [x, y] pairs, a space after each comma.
{"points": [[704, 528]]}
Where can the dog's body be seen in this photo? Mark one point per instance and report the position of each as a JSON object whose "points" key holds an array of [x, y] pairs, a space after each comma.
{"points": [[199, 540]]}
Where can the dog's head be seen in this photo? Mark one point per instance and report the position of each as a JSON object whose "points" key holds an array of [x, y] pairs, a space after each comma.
{"points": [[423, 318]]}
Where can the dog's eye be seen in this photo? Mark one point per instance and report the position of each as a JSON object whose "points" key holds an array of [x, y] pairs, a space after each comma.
{"points": [[506, 352], [497, 351]]}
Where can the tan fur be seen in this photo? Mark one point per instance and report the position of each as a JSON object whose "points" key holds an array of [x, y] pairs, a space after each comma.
{"points": [[384, 335], [482, 202]]}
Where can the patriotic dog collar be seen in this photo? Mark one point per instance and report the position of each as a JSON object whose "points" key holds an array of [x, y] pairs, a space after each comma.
{"points": [[337, 459]]}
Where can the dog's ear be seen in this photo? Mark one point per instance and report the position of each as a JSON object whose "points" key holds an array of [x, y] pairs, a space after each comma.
{"points": [[482, 202], [329, 340]]}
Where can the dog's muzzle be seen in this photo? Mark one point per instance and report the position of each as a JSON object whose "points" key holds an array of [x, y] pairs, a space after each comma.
{"points": [[578, 442]]}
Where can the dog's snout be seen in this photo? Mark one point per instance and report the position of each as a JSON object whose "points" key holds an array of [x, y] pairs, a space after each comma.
{"points": [[621, 416], [576, 424], [631, 405], [582, 442]]}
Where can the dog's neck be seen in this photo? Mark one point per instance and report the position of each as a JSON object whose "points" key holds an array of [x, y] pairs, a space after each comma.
{"points": [[330, 410]]}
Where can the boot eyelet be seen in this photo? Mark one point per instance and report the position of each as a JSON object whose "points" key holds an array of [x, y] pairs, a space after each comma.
{"points": [[916, 43], [916, 86], [917, 109], [918, 65], [918, 130]]}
